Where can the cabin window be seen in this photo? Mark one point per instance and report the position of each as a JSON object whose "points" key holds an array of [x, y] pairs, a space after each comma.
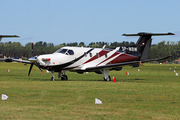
{"points": [[105, 55], [85, 54], [97, 54], [90, 54]]}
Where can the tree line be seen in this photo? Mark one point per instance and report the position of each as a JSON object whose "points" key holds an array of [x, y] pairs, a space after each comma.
{"points": [[15, 49]]}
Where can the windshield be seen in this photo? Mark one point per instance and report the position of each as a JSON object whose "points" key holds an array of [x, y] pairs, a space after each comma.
{"points": [[65, 51], [61, 51]]}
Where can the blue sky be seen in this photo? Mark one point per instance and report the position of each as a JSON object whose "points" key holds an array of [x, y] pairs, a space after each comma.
{"points": [[65, 21]]}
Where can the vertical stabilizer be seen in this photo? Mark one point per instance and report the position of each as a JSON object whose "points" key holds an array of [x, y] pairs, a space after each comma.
{"points": [[144, 42]]}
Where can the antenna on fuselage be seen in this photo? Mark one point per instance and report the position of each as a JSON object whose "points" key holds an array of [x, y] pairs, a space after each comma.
{"points": [[103, 46]]}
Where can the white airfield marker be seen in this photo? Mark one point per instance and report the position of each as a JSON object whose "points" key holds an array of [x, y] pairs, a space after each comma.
{"points": [[97, 101], [176, 74], [4, 97]]}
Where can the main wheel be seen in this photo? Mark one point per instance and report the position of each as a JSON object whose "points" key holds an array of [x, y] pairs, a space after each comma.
{"points": [[108, 79], [64, 77]]}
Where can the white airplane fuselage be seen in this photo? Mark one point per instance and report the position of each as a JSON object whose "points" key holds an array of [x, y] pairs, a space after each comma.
{"points": [[82, 58]]}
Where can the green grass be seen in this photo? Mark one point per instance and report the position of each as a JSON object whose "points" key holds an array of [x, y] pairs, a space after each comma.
{"points": [[152, 93]]}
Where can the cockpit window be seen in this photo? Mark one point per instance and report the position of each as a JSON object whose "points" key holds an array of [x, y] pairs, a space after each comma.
{"points": [[65, 51], [61, 51], [70, 52]]}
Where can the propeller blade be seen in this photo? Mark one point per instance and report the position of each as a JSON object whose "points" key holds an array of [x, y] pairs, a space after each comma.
{"points": [[30, 69], [38, 67], [32, 49]]}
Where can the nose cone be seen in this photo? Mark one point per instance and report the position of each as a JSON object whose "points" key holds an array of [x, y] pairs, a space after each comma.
{"points": [[44, 59], [33, 59]]}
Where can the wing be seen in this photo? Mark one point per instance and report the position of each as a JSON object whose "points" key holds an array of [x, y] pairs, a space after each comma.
{"points": [[110, 66], [17, 60]]}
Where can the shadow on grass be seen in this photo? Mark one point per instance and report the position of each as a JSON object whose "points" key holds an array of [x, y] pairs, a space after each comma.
{"points": [[136, 80], [99, 80], [56, 79]]}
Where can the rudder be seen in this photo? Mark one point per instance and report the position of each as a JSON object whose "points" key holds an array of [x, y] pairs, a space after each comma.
{"points": [[144, 42]]}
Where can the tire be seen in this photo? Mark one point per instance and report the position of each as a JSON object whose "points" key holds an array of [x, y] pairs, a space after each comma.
{"points": [[64, 77], [52, 78], [107, 79]]}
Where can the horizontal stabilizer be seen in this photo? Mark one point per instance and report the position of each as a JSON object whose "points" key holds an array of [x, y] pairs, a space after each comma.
{"points": [[4, 36], [148, 34]]}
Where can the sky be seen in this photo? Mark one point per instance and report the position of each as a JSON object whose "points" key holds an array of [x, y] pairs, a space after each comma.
{"points": [[67, 21]]}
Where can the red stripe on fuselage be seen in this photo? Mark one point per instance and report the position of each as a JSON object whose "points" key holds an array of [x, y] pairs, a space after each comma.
{"points": [[101, 53], [116, 53], [123, 58]]}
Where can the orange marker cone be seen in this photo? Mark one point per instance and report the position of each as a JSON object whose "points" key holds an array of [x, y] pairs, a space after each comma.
{"points": [[114, 79]]}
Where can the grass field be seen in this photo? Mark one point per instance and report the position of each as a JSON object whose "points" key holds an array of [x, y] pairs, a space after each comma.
{"points": [[151, 93]]}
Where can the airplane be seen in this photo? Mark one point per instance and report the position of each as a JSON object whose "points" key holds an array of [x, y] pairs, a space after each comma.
{"points": [[6, 36], [98, 60]]}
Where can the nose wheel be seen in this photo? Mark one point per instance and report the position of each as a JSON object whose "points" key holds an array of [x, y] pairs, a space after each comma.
{"points": [[52, 78]]}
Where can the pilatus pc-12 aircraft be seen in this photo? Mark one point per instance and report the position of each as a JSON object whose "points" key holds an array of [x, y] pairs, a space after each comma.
{"points": [[98, 60]]}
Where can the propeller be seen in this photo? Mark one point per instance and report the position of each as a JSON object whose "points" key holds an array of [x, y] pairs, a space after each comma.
{"points": [[33, 60], [32, 49]]}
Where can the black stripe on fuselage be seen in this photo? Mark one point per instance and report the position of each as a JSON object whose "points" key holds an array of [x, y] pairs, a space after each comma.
{"points": [[57, 68]]}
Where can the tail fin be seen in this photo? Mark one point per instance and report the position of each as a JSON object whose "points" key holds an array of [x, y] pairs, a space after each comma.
{"points": [[144, 42], [5, 36]]}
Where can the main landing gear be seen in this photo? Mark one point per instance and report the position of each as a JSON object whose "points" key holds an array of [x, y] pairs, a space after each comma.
{"points": [[61, 75], [106, 75]]}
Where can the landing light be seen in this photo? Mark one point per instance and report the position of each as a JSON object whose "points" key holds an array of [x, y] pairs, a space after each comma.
{"points": [[46, 59]]}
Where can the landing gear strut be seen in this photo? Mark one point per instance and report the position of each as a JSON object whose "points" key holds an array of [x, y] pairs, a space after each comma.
{"points": [[52, 78], [105, 75], [61, 75]]}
